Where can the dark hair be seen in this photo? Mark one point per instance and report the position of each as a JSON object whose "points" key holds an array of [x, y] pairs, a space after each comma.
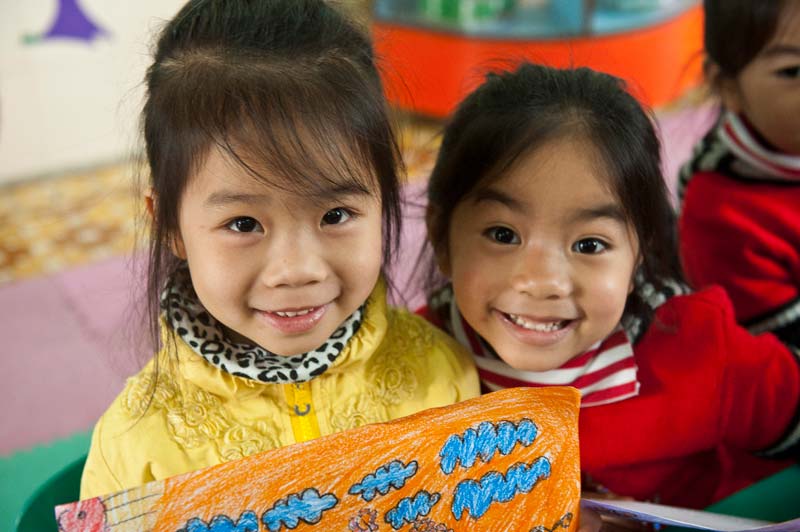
{"points": [[754, 24], [287, 88], [516, 113]]}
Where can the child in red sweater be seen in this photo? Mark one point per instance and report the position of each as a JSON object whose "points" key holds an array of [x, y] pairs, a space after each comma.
{"points": [[740, 192], [548, 213]]}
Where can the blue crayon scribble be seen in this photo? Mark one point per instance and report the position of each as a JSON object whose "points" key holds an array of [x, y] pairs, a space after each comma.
{"points": [[289, 511], [248, 522], [392, 475], [410, 508], [476, 497], [484, 442]]}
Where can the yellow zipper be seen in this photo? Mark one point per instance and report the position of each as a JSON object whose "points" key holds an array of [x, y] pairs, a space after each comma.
{"points": [[301, 411]]}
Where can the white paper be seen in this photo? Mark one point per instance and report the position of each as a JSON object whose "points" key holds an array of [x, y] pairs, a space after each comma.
{"points": [[671, 515]]}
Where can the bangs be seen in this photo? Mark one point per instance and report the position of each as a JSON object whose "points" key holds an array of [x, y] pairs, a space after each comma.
{"points": [[293, 132]]}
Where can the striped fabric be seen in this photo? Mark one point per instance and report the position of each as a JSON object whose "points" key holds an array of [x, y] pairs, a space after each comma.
{"points": [[733, 150], [730, 148], [740, 141], [604, 374]]}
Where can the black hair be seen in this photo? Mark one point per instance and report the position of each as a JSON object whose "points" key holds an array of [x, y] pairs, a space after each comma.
{"points": [[286, 88], [513, 114], [754, 25]]}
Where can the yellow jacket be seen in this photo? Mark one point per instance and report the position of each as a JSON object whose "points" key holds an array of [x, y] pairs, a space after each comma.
{"points": [[395, 365]]}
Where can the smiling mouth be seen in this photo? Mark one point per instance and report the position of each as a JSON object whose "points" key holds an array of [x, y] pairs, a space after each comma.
{"points": [[292, 313], [538, 326], [294, 321]]}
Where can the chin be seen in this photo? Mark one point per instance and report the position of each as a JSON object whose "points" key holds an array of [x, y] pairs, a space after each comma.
{"points": [[291, 351], [528, 359]]}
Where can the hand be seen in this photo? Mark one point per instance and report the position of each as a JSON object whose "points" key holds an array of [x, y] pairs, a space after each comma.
{"points": [[590, 521]]}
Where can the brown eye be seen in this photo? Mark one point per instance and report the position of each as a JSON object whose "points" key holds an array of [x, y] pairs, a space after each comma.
{"points": [[502, 235], [245, 224], [335, 216], [589, 246], [789, 72]]}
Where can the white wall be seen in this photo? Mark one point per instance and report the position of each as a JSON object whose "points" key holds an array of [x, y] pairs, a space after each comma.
{"points": [[68, 103]]}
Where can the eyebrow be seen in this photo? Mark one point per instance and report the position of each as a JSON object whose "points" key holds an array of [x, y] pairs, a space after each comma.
{"points": [[222, 198], [781, 49], [610, 211], [336, 191], [340, 190], [495, 196]]}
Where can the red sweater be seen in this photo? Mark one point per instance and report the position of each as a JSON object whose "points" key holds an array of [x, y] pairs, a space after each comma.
{"points": [[744, 236], [711, 393]]}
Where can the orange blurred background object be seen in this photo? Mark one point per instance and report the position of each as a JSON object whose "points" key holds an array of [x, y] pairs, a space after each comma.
{"points": [[428, 71]]}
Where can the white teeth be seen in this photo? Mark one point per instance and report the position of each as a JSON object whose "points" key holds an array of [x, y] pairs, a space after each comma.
{"points": [[289, 314], [541, 327]]}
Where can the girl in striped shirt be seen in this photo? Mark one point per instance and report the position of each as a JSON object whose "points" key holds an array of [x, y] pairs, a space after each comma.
{"points": [[551, 222]]}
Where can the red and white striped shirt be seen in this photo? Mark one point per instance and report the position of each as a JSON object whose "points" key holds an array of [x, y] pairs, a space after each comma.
{"points": [[604, 374]]}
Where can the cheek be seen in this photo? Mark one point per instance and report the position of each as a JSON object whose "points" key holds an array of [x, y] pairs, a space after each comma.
{"points": [[219, 270], [473, 279], [215, 277], [366, 248], [608, 292], [359, 257]]}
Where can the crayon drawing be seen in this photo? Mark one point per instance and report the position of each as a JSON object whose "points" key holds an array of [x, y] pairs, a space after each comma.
{"points": [[504, 461]]}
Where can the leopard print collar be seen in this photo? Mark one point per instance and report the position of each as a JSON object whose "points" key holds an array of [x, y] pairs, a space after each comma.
{"points": [[185, 314]]}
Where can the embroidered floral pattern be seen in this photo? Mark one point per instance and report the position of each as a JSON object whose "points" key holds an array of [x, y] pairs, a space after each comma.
{"points": [[395, 370], [139, 390], [196, 417], [357, 411], [240, 441]]}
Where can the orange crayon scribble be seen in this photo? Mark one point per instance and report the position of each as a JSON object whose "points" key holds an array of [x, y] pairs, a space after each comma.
{"points": [[326, 470]]}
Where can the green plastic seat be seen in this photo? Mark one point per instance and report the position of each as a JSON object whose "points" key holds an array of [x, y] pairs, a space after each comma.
{"points": [[37, 513], [774, 498]]}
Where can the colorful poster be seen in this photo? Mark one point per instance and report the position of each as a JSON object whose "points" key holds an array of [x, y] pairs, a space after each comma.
{"points": [[504, 461]]}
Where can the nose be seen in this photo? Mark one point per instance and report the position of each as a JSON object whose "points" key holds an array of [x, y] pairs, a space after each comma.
{"points": [[542, 273], [293, 260]]}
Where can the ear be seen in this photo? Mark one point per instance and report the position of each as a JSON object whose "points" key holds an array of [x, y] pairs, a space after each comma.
{"points": [[725, 86], [177, 246], [731, 96], [149, 203], [440, 253], [175, 242]]}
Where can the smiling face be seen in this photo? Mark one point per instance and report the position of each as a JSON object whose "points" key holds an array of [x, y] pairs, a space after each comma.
{"points": [[767, 90], [541, 259], [276, 268]]}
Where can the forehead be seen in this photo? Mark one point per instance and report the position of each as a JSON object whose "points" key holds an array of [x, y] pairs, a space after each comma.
{"points": [[225, 177], [564, 173], [295, 161], [787, 33]]}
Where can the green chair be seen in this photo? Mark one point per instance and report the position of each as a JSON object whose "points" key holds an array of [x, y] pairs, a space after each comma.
{"points": [[64, 486], [774, 498]]}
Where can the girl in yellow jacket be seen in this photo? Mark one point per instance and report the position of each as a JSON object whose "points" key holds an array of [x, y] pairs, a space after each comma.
{"points": [[275, 205]]}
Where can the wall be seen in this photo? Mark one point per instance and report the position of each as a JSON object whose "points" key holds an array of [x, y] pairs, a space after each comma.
{"points": [[70, 81]]}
